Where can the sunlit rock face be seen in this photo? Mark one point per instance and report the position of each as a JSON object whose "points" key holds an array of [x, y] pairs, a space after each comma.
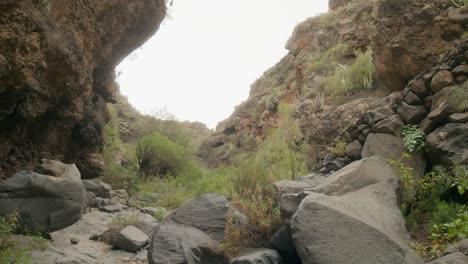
{"points": [[57, 61]]}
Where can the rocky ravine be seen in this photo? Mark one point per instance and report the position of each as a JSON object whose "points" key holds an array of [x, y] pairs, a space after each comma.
{"points": [[57, 61]]}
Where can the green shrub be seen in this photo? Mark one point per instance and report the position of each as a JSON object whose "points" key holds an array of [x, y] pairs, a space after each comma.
{"points": [[15, 249], [407, 180], [357, 76], [159, 156], [339, 149], [457, 97], [413, 138], [248, 176], [263, 218]]}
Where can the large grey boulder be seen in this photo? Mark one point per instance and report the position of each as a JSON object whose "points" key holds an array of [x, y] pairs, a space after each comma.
{"points": [[44, 203], [391, 147], [131, 239], [448, 145], [180, 244], [353, 218], [353, 150], [455, 258], [207, 213], [411, 114], [258, 256]]}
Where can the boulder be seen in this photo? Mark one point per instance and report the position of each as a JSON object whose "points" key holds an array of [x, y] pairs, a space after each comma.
{"points": [[461, 247], [91, 165], [427, 125], [131, 239], [353, 150], [440, 80], [147, 227], [90, 199], [411, 114], [143, 199], [60, 169], [111, 208], [255, 256], [98, 187], [458, 118], [353, 217], [288, 205], [44, 203], [375, 115], [455, 258], [336, 164], [419, 88], [448, 145], [443, 105], [391, 125], [391, 147], [180, 244], [460, 70], [412, 99], [283, 243], [119, 196], [207, 213], [305, 182]]}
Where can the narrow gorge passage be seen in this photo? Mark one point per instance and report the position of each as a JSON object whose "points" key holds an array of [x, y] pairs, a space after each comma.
{"points": [[351, 145]]}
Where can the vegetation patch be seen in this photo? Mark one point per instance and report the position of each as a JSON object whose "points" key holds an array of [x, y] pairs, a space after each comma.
{"points": [[355, 77], [414, 138]]}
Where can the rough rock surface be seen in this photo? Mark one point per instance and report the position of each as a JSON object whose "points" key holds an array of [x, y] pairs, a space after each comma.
{"points": [[283, 243], [353, 218], [131, 239], [391, 147], [91, 165], [57, 62], [448, 145], [207, 213], [181, 244], [256, 256], [409, 37], [88, 251], [455, 258], [461, 246], [44, 203]]}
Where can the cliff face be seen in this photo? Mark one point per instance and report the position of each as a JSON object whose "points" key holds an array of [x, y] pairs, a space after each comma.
{"points": [[405, 37], [57, 61]]}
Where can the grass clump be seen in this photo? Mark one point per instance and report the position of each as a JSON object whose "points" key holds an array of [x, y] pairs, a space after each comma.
{"points": [[357, 76], [14, 249], [339, 149], [263, 220]]}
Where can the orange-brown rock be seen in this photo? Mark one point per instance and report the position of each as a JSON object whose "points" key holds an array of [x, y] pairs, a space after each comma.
{"points": [[57, 61], [411, 36]]}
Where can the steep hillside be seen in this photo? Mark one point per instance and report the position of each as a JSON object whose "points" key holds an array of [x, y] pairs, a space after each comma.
{"points": [[338, 65], [57, 61]]}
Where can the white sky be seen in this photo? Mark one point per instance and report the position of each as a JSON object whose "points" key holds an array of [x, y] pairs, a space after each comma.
{"points": [[202, 61]]}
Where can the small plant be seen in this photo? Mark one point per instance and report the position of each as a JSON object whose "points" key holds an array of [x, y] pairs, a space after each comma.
{"points": [[452, 231], [319, 102], [413, 138], [340, 148], [407, 180], [460, 3]]}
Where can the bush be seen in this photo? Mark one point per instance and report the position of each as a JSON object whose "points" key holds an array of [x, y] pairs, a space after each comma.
{"points": [[159, 156], [15, 250], [460, 3], [357, 76], [413, 138], [263, 218], [339, 149]]}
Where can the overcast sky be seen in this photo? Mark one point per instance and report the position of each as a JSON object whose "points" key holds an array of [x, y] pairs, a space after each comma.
{"points": [[202, 61]]}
